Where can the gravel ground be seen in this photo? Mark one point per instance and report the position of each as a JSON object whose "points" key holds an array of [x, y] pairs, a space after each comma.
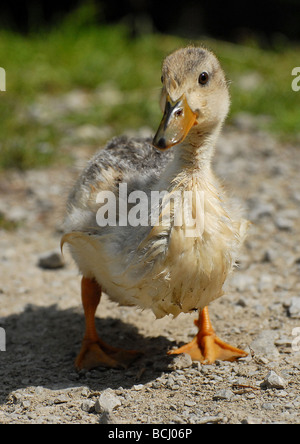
{"points": [[43, 319]]}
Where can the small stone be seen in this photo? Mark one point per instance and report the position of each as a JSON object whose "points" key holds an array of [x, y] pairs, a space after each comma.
{"points": [[251, 420], [259, 309], [51, 260], [16, 397], [270, 255], [261, 360], [284, 223], [264, 345], [267, 406], [26, 404], [284, 341], [189, 403], [223, 394], [272, 380], [283, 394], [294, 308], [171, 382], [61, 399], [138, 387], [207, 369], [85, 392], [88, 406], [107, 401], [107, 418], [242, 302], [17, 214], [181, 361], [39, 390], [210, 419]]}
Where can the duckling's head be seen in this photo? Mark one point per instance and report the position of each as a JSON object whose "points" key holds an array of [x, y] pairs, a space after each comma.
{"points": [[195, 98]]}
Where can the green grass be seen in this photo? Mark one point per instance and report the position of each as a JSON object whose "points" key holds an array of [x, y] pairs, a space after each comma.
{"points": [[79, 55]]}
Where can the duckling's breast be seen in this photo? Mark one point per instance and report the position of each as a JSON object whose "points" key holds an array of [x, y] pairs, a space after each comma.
{"points": [[183, 268]]}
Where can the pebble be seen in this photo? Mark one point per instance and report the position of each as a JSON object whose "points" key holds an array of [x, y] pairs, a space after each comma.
{"points": [[51, 260], [210, 419], [272, 380], [267, 406], [190, 403], [88, 405], [17, 214], [259, 309], [294, 308], [107, 401], [284, 223], [251, 420], [61, 399], [224, 394], [107, 418], [242, 302], [138, 387], [181, 361], [26, 404], [270, 255], [264, 344], [85, 392]]}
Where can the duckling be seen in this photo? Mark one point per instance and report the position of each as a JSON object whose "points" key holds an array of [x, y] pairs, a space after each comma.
{"points": [[166, 261]]}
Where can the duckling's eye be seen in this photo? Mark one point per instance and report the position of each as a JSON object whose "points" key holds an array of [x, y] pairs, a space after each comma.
{"points": [[162, 79], [203, 78]]}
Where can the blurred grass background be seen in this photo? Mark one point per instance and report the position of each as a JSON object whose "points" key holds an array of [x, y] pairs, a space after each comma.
{"points": [[98, 79]]}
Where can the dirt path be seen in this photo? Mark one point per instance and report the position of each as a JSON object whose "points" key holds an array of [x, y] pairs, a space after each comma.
{"points": [[43, 320]]}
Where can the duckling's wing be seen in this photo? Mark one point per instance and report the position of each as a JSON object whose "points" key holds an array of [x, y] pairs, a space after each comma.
{"points": [[133, 161], [137, 154]]}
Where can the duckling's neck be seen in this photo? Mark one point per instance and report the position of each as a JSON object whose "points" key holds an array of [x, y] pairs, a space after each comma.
{"points": [[192, 159]]}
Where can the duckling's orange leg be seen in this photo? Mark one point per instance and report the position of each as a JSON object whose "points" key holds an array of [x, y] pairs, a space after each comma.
{"points": [[206, 347], [94, 352]]}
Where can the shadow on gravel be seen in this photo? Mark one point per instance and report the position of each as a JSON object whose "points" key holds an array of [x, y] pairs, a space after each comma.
{"points": [[42, 343]]}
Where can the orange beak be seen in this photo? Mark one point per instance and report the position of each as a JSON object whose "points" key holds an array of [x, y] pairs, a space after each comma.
{"points": [[176, 123]]}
